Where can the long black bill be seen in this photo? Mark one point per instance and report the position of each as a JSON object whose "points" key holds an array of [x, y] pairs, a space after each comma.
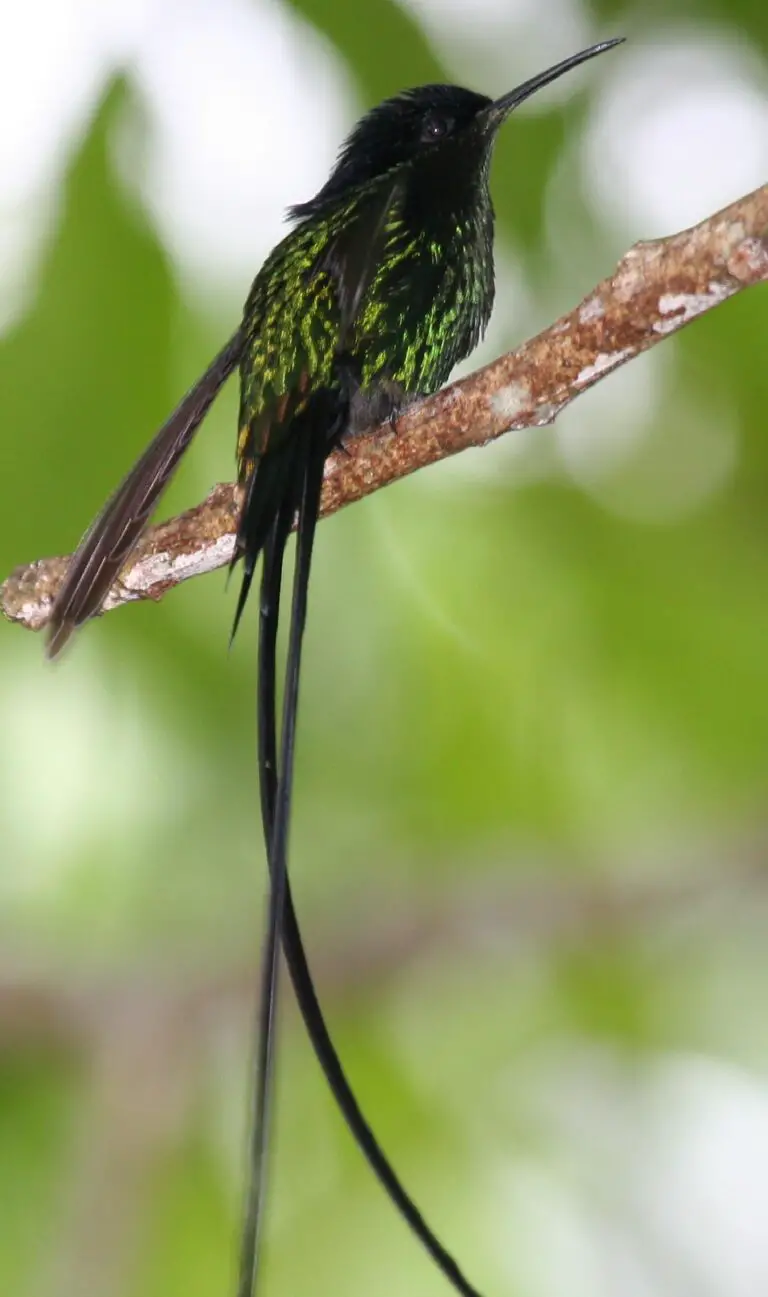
{"points": [[501, 108]]}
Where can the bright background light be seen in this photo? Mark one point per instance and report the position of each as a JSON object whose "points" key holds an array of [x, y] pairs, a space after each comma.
{"points": [[530, 820]]}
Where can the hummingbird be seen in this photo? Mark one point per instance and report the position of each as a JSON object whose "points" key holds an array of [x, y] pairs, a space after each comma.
{"points": [[383, 284]]}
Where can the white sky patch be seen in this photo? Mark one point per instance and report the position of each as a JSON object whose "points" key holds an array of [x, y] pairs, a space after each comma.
{"points": [[24, 228], [679, 130], [55, 59], [493, 45], [651, 1180], [487, 16], [55, 56], [83, 763], [703, 1173], [531, 1202], [246, 111]]}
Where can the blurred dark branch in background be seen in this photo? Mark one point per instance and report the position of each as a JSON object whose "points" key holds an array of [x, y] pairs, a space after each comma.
{"points": [[656, 289], [550, 908]]}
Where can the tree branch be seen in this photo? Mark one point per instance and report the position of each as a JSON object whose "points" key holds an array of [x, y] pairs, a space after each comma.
{"points": [[656, 288]]}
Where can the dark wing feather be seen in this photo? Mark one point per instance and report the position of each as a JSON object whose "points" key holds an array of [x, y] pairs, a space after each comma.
{"points": [[272, 484], [110, 539], [352, 255]]}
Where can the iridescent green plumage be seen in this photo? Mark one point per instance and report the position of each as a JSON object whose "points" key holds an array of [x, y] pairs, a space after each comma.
{"points": [[426, 303]]}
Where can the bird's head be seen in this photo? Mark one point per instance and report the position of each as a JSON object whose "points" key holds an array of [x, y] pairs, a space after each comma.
{"points": [[440, 122]]}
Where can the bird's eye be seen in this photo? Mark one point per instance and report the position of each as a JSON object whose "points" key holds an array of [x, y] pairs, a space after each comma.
{"points": [[435, 126]]}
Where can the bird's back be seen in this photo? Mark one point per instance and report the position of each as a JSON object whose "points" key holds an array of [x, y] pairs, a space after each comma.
{"points": [[422, 278]]}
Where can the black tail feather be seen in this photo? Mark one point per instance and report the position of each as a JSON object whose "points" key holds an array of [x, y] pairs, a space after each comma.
{"points": [[296, 960], [274, 487], [320, 422]]}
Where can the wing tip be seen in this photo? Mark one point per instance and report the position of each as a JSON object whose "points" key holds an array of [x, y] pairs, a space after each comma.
{"points": [[58, 632]]}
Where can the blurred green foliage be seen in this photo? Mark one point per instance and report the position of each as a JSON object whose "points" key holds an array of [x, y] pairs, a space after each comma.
{"points": [[531, 793]]}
